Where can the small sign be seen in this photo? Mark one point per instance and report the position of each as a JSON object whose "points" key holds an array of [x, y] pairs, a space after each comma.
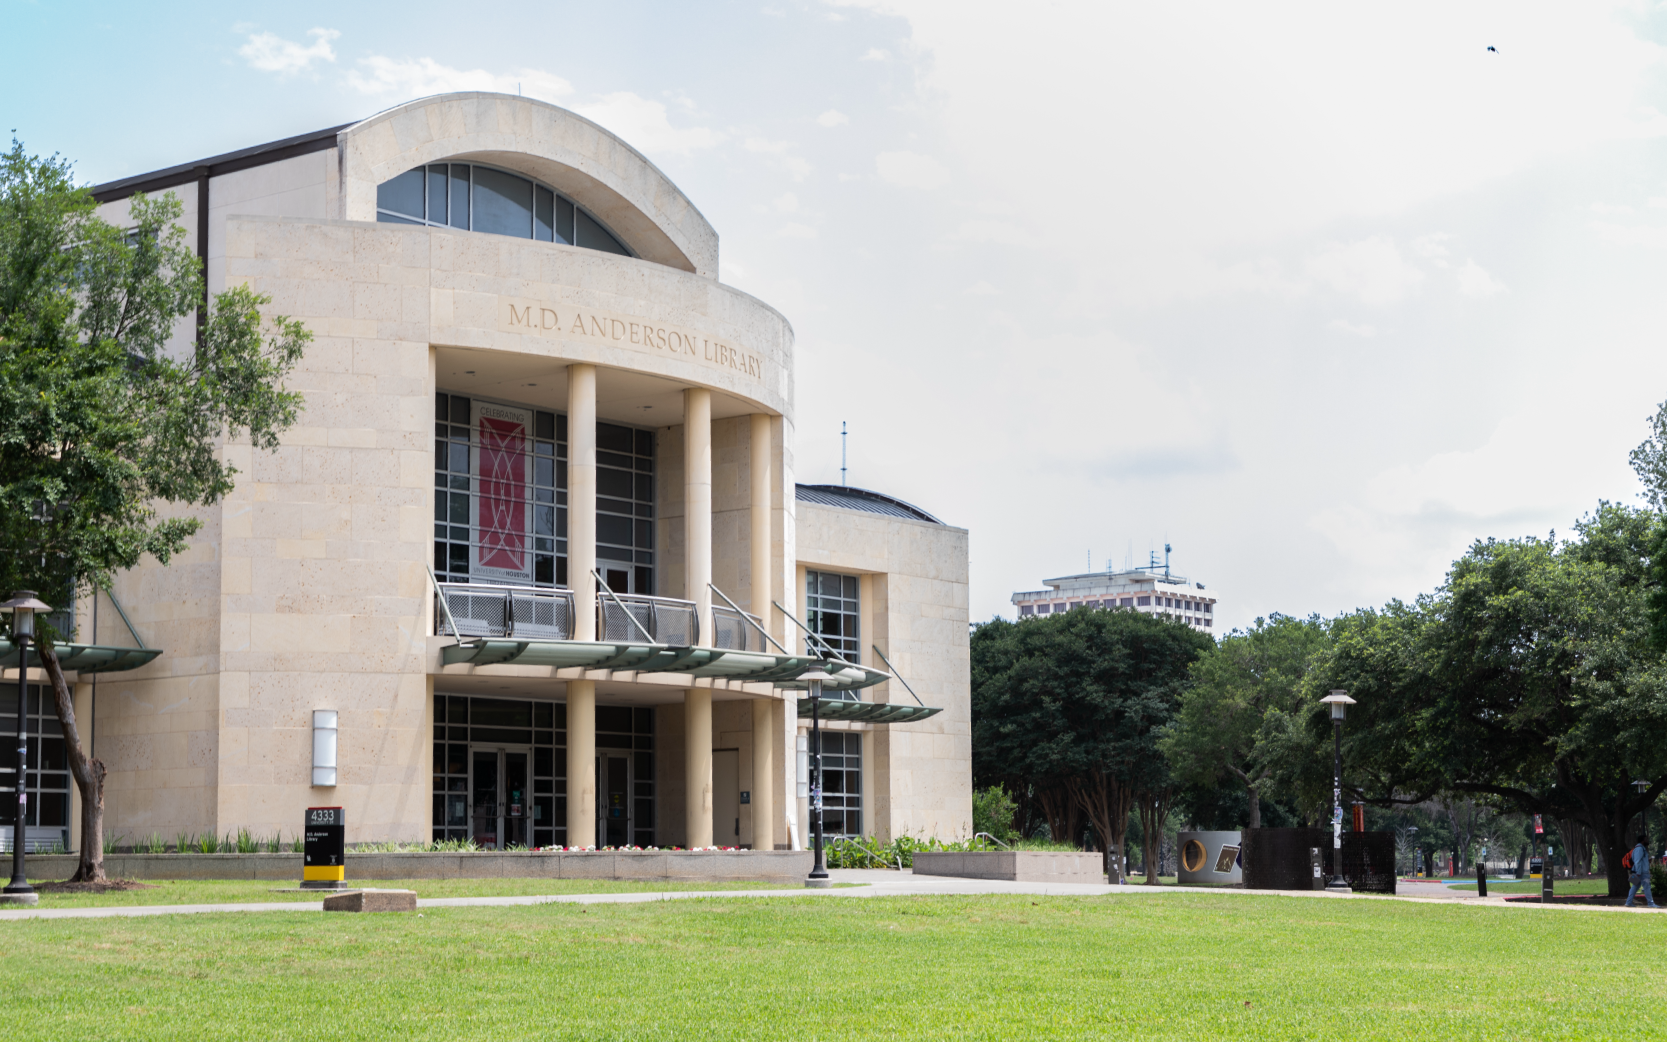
{"points": [[746, 796], [1539, 829], [324, 847]]}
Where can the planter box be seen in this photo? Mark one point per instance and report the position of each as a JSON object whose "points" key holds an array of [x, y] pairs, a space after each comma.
{"points": [[1017, 866], [786, 866]]}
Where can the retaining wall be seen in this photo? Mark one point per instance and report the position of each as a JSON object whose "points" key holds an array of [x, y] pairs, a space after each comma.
{"points": [[647, 865], [1021, 866]]}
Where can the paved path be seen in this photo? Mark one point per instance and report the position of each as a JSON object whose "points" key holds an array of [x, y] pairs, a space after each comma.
{"points": [[880, 883]]}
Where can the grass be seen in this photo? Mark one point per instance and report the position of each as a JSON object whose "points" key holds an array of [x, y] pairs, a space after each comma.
{"points": [[1532, 886], [243, 891], [1180, 966]]}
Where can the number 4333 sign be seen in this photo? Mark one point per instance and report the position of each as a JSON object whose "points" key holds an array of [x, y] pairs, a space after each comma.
{"points": [[324, 847]]}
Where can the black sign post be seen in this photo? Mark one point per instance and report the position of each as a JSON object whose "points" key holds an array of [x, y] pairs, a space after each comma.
{"points": [[324, 851]]}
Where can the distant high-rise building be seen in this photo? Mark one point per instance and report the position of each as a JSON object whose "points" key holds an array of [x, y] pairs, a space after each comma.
{"points": [[1152, 589]]}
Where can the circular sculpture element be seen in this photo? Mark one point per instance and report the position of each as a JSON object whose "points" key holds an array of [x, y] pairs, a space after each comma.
{"points": [[1192, 855]]}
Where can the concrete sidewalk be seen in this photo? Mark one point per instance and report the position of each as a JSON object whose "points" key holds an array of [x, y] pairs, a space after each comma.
{"points": [[877, 883]]}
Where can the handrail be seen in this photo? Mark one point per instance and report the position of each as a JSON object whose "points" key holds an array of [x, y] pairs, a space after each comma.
{"points": [[832, 654], [609, 591], [749, 618], [444, 607], [991, 838], [894, 672]]}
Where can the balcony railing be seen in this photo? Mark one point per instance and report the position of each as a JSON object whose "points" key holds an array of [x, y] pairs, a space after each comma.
{"points": [[666, 620], [481, 610], [734, 631]]}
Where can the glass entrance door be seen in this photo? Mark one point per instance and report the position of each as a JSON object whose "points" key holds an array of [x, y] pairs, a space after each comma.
{"points": [[613, 804], [500, 795]]}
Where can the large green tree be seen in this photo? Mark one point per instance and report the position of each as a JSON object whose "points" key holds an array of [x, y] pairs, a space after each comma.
{"points": [[1243, 696], [1074, 704], [110, 408], [1527, 678]]}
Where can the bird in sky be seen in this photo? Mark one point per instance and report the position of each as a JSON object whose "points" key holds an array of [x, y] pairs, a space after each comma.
{"points": [[1492, 48]]}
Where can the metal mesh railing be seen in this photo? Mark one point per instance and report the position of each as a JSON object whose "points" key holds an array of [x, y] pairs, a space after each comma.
{"points": [[666, 620], [484, 610], [733, 632]]}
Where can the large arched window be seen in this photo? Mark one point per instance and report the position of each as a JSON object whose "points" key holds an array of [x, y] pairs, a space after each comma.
{"points": [[485, 199]]}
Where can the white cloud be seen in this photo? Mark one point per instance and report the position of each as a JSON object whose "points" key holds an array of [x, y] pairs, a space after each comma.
{"points": [[795, 230], [796, 167], [269, 52], [833, 118], [981, 289], [420, 77], [1359, 329], [1371, 270], [1000, 232], [911, 170], [874, 54], [787, 202], [642, 122], [1474, 281]]}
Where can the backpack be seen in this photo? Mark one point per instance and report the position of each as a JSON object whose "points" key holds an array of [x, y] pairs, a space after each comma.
{"points": [[1626, 863]]}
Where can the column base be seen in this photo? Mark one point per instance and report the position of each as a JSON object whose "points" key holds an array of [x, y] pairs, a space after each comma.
{"points": [[818, 884], [1338, 888], [29, 898]]}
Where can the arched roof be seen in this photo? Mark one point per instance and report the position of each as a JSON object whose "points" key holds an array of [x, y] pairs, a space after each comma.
{"points": [[563, 149]]}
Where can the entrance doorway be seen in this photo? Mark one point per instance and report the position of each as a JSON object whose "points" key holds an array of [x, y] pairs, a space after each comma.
{"points": [[613, 800], [499, 797], [726, 797]]}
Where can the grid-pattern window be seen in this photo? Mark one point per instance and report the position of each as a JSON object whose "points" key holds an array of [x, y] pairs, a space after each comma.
{"points": [[485, 199], [831, 604], [841, 783], [625, 508], [622, 728], [500, 493], [48, 781], [460, 721]]}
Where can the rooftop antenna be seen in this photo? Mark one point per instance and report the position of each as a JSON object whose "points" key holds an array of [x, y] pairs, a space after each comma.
{"points": [[1166, 560], [842, 452]]}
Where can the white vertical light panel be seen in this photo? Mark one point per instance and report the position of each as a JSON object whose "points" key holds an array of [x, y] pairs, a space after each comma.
{"points": [[324, 747]]}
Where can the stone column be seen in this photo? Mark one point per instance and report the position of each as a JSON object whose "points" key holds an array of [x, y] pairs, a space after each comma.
{"points": [[697, 507], [762, 591], [763, 774], [581, 504], [697, 759], [581, 763]]}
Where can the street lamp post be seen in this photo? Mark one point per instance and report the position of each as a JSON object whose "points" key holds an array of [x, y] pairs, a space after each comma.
{"points": [[22, 608], [819, 871], [1337, 700]]}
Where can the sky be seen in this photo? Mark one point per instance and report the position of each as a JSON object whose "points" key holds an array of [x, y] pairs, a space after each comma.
{"points": [[1318, 294]]}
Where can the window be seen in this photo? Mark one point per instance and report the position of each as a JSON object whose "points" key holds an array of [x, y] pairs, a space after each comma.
{"points": [[1143, 601], [1127, 602], [626, 731], [47, 816], [540, 726], [1025, 609], [842, 783], [1207, 608], [500, 497], [831, 604], [486, 199]]}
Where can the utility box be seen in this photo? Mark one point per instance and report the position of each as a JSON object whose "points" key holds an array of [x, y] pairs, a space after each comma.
{"points": [[1210, 858], [324, 849]]}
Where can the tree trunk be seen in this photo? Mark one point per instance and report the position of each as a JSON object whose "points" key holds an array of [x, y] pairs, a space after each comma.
{"points": [[1154, 815], [89, 776], [1255, 807], [1105, 801]]}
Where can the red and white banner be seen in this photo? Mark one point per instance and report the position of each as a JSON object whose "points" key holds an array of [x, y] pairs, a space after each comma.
{"points": [[503, 508]]}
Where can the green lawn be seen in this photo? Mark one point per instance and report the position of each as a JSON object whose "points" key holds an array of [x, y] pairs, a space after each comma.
{"points": [[1175, 966], [1532, 886], [242, 891]]}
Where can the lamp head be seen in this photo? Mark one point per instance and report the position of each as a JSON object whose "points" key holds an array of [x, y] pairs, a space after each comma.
{"points": [[815, 676], [22, 607], [1337, 700]]}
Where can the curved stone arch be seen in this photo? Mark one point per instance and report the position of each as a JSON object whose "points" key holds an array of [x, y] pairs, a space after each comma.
{"points": [[592, 166]]}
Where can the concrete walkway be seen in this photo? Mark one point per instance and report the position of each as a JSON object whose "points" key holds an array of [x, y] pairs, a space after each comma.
{"points": [[879, 883]]}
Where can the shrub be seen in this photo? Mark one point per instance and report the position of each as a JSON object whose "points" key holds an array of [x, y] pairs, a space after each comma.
{"points": [[992, 812], [154, 844]]}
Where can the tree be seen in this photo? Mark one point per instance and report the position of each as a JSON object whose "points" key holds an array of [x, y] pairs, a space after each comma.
{"points": [[1239, 690], [1074, 703], [105, 412], [1527, 677]]}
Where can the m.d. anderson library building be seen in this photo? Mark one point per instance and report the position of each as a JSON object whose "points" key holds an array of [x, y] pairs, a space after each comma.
{"points": [[535, 546]]}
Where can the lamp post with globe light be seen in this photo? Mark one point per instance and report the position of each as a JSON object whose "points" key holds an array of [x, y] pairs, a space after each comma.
{"points": [[814, 678], [1337, 700], [22, 608]]}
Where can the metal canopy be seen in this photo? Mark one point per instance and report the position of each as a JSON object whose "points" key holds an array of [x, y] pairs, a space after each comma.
{"points": [[868, 712], [714, 663], [85, 658]]}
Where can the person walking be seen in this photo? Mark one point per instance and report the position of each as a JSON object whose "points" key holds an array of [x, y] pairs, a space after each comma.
{"points": [[1637, 864]]}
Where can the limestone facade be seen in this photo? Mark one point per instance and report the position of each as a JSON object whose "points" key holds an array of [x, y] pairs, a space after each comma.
{"points": [[309, 587]]}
